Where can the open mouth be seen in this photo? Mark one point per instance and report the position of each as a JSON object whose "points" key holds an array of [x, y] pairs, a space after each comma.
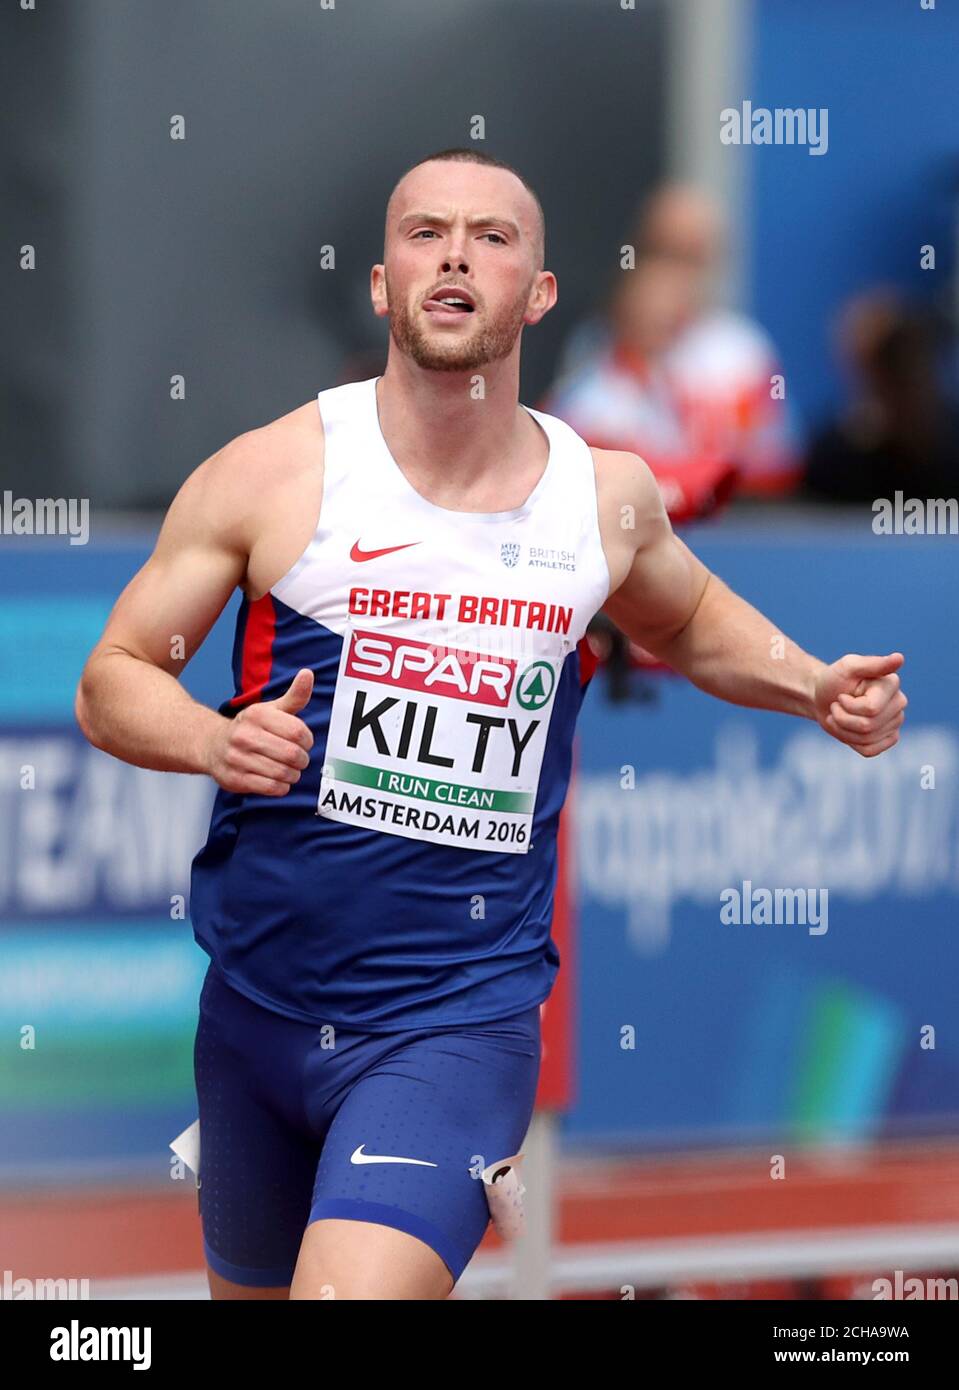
{"points": [[449, 302]]}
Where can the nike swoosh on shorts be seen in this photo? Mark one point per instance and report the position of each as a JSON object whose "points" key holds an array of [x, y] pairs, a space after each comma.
{"points": [[358, 1156]]}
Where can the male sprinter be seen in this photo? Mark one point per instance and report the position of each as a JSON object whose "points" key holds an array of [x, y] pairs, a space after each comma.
{"points": [[419, 556]]}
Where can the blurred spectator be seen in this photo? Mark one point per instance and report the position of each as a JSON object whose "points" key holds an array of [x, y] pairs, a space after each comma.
{"points": [[667, 375], [900, 431]]}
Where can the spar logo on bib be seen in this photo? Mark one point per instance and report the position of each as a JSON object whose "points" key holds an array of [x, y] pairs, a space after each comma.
{"points": [[437, 743], [412, 665], [534, 688]]}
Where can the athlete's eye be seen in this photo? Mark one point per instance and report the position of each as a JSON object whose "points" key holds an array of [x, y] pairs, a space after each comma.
{"points": [[499, 236], [424, 231]]}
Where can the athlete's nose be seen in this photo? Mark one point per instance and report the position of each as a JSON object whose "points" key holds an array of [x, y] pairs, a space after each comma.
{"points": [[455, 257]]}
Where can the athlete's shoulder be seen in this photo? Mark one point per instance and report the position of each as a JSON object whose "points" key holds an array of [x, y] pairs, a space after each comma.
{"points": [[278, 442], [223, 497], [621, 466], [625, 479], [267, 455]]}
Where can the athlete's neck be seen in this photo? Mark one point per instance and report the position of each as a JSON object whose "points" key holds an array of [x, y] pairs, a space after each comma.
{"points": [[461, 452]]}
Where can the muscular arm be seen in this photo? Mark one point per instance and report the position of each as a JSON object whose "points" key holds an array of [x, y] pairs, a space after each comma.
{"points": [[671, 604], [129, 700], [675, 607]]}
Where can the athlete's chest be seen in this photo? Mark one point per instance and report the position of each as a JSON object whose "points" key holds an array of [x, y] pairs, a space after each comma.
{"points": [[450, 640], [455, 639], [517, 579], [451, 636]]}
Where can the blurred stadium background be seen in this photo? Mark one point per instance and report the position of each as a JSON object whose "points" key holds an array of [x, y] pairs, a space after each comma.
{"points": [[651, 1165]]}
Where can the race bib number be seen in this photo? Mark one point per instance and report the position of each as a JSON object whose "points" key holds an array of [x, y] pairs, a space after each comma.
{"points": [[437, 743]]}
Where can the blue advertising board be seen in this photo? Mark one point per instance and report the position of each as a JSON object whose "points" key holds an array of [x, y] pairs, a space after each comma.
{"points": [[692, 1029], [99, 973], [839, 1023]]}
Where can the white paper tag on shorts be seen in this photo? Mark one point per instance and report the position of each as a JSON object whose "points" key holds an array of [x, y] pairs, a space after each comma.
{"points": [[504, 1196], [187, 1146]]}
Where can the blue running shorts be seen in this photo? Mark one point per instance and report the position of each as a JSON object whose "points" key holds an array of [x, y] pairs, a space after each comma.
{"points": [[300, 1121]]}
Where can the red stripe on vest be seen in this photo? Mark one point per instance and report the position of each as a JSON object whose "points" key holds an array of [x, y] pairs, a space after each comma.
{"points": [[588, 660], [257, 650]]}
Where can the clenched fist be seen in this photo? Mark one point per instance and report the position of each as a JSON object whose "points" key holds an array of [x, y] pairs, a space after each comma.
{"points": [[266, 747], [859, 702]]}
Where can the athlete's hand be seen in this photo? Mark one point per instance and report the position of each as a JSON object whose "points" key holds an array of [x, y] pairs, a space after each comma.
{"points": [[266, 747], [859, 702]]}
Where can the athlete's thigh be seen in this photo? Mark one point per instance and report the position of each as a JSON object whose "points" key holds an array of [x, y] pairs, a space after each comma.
{"points": [[404, 1153], [350, 1259], [257, 1167]]}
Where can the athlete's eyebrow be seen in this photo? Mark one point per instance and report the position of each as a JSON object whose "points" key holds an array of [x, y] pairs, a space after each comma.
{"points": [[433, 219]]}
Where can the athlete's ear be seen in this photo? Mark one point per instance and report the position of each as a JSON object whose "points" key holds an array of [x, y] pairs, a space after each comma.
{"points": [[542, 296], [378, 291]]}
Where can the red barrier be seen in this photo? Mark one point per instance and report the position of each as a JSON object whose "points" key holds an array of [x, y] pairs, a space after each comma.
{"points": [[557, 1081]]}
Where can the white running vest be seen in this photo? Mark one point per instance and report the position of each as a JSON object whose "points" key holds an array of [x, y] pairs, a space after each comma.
{"points": [[455, 629]]}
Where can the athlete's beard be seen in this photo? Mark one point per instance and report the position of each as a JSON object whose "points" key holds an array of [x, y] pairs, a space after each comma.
{"points": [[492, 342]]}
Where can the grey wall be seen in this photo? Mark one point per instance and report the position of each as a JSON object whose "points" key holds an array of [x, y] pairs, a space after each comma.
{"points": [[201, 257]]}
